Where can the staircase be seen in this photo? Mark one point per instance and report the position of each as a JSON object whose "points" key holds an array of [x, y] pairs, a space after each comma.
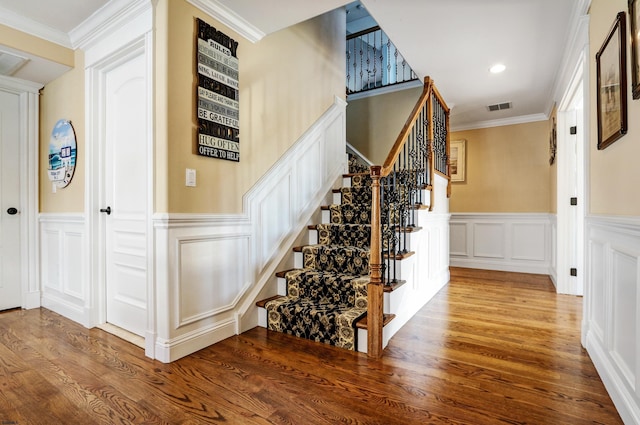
{"points": [[341, 292], [325, 297]]}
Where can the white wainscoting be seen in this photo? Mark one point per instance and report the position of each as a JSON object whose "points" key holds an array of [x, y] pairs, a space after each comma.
{"points": [[211, 268], [518, 242], [62, 266], [611, 316]]}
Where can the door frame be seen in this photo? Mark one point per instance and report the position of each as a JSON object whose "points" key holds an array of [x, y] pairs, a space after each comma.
{"points": [[567, 114], [100, 59], [28, 93]]}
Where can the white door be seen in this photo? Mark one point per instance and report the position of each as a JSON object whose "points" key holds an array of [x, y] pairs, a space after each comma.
{"points": [[10, 217], [125, 187]]}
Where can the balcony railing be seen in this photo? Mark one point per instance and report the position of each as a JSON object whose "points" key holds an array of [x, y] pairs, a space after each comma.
{"points": [[373, 61]]}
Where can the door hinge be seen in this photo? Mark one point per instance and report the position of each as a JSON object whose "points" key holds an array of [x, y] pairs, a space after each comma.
{"points": [[573, 271], [573, 130], [573, 201]]}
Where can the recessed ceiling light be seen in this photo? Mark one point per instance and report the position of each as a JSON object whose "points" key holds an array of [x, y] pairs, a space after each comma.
{"points": [[497, 68]]}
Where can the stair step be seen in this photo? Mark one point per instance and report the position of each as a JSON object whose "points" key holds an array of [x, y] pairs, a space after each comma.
{"points": [[262, 303], [364, 324], [283, 273], [400, 256]]}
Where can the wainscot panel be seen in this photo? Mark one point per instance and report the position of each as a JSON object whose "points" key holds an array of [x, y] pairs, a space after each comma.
{"points": [[518, 242], [611, 317], [62, 264]]}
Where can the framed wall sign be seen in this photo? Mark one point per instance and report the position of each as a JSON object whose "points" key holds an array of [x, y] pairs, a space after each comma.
{"points": [[611, 64], [62, 153], [218, 86]]}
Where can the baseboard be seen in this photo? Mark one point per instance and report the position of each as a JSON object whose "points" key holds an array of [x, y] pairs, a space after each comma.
{"points": [[499, 266], [174, 349], [32, 300], [627, 408], [67, 309]]}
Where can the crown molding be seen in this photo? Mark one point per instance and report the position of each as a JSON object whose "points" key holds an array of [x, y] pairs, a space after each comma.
{"points": [[522, 119], [29, 26], [229, 18], [111, 16]]}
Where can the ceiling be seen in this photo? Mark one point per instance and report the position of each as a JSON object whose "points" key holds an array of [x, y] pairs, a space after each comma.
{"points": [[452, 41]]}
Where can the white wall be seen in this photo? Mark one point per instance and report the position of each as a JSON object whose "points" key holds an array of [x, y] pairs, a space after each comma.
{"points": [[518, 242], [63, 262], [611, 314]]}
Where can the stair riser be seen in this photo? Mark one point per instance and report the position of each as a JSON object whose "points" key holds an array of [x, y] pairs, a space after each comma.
{"points": [[326, 217], [282, 286]]}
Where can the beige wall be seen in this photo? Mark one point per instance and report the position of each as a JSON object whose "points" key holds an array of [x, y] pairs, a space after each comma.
{"points": [[287, 80], [507, 170], [63, 98], [373, 123], [614, 173], [36, 46]]}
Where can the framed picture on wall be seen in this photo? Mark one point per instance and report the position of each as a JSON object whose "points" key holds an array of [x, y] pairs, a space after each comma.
{"points": [[457, 160], [634, 15], [611, 67]]}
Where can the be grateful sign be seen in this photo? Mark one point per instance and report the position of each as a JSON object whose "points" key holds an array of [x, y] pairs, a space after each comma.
{"points": [[218, 104]]}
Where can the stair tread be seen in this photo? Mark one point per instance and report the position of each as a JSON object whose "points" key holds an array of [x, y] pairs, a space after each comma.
{"points": [[394, 285], [262, 303], [363, 323], [282, 273], [400, 256]]}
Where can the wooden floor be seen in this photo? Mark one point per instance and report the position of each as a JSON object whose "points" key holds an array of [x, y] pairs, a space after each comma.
{"points": [[490, 348]]}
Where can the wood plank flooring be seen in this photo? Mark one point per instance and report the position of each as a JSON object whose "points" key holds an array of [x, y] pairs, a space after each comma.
{"points": [[490, 348]]}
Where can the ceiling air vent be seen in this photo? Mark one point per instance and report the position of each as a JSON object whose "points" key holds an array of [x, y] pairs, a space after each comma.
{"points": [[499, 106]]}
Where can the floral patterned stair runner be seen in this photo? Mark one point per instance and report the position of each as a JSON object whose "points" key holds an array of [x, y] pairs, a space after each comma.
{"points": [[328, 295]]}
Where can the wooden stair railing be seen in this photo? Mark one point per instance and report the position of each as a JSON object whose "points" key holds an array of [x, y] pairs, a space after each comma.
{"points": [[420, 152]]}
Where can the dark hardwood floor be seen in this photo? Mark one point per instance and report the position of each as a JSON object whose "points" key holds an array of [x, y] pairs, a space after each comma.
{"points": [[490, 348]]}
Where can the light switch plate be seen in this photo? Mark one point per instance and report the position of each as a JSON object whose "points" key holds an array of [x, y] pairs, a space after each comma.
{"points": [[190, 177]]}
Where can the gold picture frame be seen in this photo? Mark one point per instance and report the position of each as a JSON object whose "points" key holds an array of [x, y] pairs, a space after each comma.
{"points": [[458, 160], [611, 67]]}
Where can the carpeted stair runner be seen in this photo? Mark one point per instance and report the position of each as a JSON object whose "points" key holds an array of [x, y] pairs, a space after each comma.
{"points": [[326, 297]]}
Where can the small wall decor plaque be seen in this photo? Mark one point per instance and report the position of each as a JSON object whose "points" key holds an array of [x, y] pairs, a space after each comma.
{"points": [[62, 153]]}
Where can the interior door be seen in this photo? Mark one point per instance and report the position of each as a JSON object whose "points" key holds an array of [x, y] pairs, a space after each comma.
{"points": [[10, 217], [125, 182]]}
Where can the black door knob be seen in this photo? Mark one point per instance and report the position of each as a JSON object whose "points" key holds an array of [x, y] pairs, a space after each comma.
{"points": [[12, 211], [106, 210]]}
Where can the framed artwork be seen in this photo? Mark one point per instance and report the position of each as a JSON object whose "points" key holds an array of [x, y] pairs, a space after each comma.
{"points": [[62, 153], [457, 160], [611, 64], [634, 15]]}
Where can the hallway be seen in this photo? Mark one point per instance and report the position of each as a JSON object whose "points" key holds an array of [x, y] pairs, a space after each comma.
{"points": [[491, 347]]}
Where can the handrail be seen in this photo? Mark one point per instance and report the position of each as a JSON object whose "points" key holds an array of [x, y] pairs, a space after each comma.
{"points": [[402, 137], [420, 151]]}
